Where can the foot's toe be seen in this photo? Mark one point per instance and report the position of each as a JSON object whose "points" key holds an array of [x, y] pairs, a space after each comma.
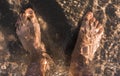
{"points": [[98, 26], [29, 12], [96, 23], [100, 29], [89, 16], [93, 19], [92, 22]]}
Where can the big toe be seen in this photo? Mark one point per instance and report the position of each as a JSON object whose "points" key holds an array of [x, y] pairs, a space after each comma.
{"points": [[89, 16]]}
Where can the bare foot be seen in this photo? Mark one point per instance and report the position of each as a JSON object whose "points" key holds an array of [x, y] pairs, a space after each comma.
{"points": [[28, 32], [87, 43]]}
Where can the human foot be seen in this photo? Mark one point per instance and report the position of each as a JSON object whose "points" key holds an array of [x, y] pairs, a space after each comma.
{"points": [[28, 32], [87, 43], [91, 32]]}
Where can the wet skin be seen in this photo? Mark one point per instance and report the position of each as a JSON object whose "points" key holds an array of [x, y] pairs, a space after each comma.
{"points": [[28, 32], [87, 43]]}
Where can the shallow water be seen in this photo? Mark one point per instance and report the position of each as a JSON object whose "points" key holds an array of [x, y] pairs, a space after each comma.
{"points": [[62, 20]]}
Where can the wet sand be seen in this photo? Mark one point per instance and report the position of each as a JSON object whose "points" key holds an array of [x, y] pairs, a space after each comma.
{"points": [[59, 34]]}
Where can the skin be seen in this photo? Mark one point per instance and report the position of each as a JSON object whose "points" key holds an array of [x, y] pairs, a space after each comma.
{"points": [[87, 43], [28, 32]]}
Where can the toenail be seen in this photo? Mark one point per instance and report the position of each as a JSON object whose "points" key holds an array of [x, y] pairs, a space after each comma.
{"points": [[89, 15]]}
